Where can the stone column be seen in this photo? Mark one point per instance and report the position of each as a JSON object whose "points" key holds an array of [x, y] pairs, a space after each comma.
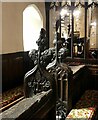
{"points": [[96, 27], [93, 30]]}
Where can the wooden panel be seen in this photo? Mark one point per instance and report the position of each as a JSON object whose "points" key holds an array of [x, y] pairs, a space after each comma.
{"points": [[93, 76], [12, 72], [5, 75], [78, 84], [79, 61], [14, 67]]}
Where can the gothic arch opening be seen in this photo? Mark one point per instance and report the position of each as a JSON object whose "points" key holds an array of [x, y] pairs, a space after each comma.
{"points": [[32, 24]]}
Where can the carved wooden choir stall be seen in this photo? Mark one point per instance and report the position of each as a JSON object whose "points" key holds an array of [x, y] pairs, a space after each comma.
{"points": [[58, 87]]}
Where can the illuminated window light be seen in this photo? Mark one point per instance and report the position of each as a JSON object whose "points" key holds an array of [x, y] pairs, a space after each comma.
{"points": [[32, 24], [64, 12], [76, 13], [93, 23], [92, 44]]}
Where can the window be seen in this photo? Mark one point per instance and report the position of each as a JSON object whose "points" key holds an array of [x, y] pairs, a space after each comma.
{"points": [[32, 24]]}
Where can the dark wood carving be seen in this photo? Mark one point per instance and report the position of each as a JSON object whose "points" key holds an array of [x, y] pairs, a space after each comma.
{"points": [[39, 79], [48, 73]]}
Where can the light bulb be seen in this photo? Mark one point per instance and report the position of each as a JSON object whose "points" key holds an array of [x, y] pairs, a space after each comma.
{"points": [[63, 12], [93, 23], [76, 13]]}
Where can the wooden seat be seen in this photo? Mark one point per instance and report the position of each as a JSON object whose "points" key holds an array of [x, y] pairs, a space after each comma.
{"points": [[38, 107], [10, 97], [86, 107]]}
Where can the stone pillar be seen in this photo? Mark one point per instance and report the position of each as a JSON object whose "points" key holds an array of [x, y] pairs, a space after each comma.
{"points": [[93, 30], [96, 27]]}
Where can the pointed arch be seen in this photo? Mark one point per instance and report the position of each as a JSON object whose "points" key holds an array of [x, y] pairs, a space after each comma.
{"points": [[32, 24]]}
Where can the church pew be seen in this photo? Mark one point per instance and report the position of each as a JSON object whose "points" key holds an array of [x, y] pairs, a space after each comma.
{"points": [[36, 107], [86, 108]]}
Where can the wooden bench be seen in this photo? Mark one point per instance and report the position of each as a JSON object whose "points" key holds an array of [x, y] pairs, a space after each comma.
{"points": [[86, 107], [11, 97], [37, 107], [14, 66]]}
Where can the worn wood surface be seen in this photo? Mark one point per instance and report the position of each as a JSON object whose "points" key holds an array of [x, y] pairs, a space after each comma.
{"points": [[30, 108]]}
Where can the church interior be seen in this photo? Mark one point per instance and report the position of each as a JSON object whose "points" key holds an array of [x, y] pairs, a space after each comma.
{"points": [[49, 60]]}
